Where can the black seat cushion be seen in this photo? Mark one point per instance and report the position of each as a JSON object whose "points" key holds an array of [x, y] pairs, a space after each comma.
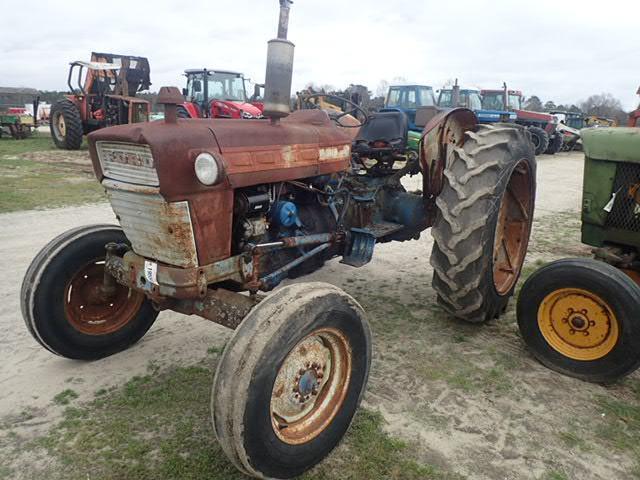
{"points": [[387, 128]]}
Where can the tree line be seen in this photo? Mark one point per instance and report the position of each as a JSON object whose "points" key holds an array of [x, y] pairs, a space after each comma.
{"points": [[601, 105]]}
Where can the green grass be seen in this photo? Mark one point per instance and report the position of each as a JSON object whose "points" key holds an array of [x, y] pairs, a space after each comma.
{"points": [[620, 423], [35, 143], [65, 397], [5, 472], [555, 475], [26, 184], [158, 426]]}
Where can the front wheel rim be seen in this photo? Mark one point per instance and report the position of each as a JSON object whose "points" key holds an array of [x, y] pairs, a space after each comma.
{"points": [[311, 386], [578, 324], [90, 311]]}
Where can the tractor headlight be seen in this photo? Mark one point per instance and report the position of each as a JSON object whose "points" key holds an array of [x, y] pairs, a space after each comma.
{"points": [[207, 169]]}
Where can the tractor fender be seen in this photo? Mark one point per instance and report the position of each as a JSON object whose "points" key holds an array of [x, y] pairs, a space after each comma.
{"points": [[447, 127]]}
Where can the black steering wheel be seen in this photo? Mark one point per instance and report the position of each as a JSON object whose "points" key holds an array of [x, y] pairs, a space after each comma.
{"points": [[336, 118]]}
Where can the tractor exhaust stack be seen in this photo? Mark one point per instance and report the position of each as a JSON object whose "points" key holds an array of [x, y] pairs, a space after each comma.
{"points": [[277, 95]]}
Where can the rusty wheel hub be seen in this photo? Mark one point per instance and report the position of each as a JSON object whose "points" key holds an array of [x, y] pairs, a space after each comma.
{"points": [[512, 229], [311, 386], [93, 312]]}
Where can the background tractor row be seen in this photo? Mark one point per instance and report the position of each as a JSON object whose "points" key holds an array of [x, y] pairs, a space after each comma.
{"points": [[542, 126], [213, 214], [470, 98]]}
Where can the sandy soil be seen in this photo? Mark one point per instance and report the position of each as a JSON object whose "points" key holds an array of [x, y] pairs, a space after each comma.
{"points": [[484, 434]]}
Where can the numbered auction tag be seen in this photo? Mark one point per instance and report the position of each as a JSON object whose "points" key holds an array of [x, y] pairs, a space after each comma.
{"points": [[151, 272]]}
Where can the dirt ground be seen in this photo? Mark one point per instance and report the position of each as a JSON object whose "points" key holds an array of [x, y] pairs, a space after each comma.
{"points": [[469, 399]]}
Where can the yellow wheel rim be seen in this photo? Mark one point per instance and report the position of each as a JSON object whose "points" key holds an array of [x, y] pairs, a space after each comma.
{"points": [[578, 324]]}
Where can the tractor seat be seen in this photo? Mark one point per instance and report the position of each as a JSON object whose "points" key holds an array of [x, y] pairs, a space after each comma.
{"points": [[385, 131]]}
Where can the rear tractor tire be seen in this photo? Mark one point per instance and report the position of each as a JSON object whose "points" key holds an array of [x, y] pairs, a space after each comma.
{"points": [[579, 317], [483, 223], [63, 304], [556, 142], [66, 125], [182, 112], [290, 380], [539, 139]]}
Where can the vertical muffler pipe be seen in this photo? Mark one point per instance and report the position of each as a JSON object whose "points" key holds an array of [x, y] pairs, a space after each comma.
{"points": [[277, 90], [455, 95]]}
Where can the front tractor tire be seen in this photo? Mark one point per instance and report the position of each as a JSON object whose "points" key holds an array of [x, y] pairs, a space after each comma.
{"points": [[483, 222], [579, 317], [290, 380], [539, 139], [64, 306], [66, 125]]}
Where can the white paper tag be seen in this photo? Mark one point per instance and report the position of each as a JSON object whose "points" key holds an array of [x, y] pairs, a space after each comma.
{"points": [[151, 272]]}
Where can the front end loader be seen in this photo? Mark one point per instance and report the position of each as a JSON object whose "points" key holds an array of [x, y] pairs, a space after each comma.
{"points": [[104, 94], [214, 214]]}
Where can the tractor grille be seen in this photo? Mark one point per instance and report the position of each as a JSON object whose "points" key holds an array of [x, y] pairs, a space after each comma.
{"points": [[157, 230], [625, 214], [127, 162]]}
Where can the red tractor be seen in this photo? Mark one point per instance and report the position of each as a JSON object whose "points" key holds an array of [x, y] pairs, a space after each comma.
{"points": [[217, 94], [542, 126], [212, 213], [104, 96]]}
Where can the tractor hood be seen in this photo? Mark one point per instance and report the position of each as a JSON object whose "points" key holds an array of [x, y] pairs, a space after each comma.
{"points": [[250, 152], [248, 110], [615, 144]]}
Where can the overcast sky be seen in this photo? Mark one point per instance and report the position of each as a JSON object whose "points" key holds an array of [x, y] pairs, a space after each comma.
{"points": [[559, 50]]}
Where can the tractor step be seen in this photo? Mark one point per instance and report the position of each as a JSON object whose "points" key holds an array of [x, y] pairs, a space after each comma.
{"points": [[382, 229]]}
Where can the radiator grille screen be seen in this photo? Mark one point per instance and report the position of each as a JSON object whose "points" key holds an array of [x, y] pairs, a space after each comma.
{"points": [[625, 214]]}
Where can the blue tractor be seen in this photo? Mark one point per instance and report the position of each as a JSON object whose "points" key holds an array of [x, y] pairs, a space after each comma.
{"points": [[471, 99], [407, 99]]}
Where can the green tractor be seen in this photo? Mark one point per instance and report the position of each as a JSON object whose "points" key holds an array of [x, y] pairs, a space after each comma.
{"points": [[581, 317]]}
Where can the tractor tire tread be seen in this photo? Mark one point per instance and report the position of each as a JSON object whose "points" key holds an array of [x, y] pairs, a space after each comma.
{"points": [[462, 252], [73, 125]]}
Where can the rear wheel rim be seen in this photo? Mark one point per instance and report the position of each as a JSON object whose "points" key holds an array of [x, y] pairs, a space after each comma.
{"points": [[512, 230], [60, 127], [311, 386], [89, 311], [578, 324]]}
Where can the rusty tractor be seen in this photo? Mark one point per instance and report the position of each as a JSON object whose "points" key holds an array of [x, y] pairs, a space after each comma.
{"points": [[104, 96], [213, 213]]}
